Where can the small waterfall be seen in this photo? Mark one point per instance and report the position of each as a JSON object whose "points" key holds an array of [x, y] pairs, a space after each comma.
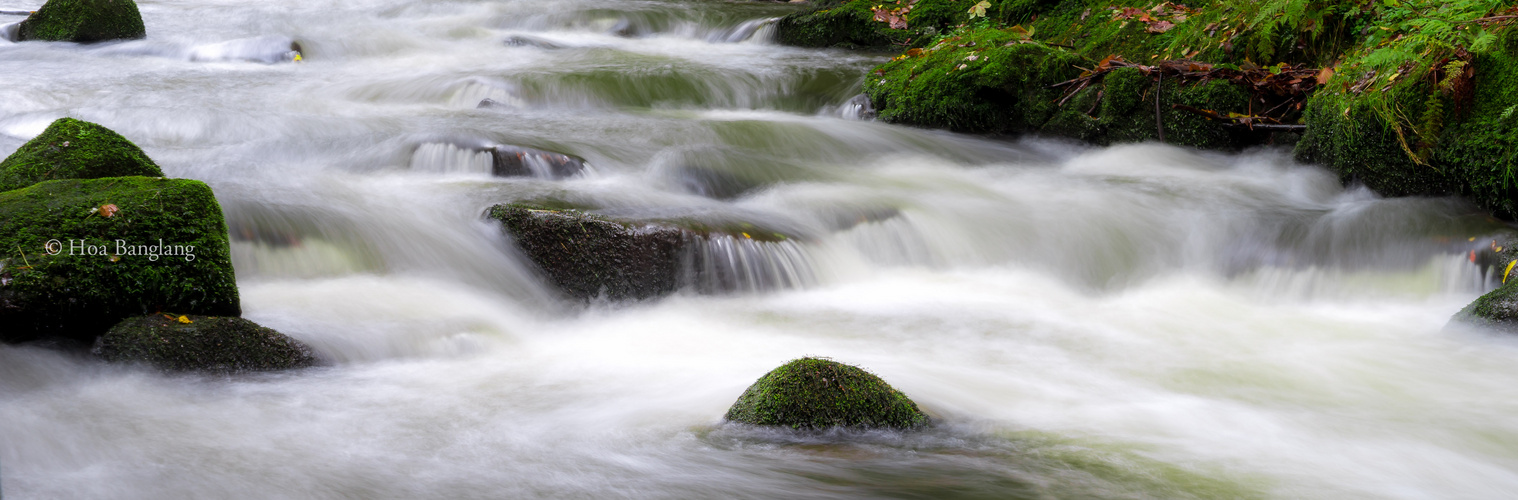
{"points": [[858, 108], [745, 31], [264, 49], [726, 263], [449, 158], [470, 92]]}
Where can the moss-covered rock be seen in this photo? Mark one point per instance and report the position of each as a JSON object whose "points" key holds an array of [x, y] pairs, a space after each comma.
{"points": [[1497, 309], [83, 21], [1442, 134], [216, 344], [982, 81], [847, 25], [81, 254], [588, 255], [74, 149], [815, 393]]}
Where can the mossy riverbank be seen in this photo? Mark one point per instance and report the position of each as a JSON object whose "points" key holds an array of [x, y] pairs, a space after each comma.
{"points": [[1409, 98]]}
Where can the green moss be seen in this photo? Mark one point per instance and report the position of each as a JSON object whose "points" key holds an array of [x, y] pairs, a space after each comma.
{"points": [[204, 343], [83, 21], [1497, 309], [975, 81], [814, 393], [74, 149], [76, 295], [846, 25]]}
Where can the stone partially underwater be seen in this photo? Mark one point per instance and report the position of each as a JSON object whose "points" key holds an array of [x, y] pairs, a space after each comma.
{"points": [[588, 255], [818, 393], [83, 21], [499, 160], [212, 344], [77, 264], [97, 235]]}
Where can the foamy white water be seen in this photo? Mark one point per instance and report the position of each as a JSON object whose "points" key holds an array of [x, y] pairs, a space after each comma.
{"points": [[1130, 322]]}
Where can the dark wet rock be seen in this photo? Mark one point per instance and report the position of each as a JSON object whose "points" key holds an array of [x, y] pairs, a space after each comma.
{"points": [[817, 393], [517, 161], [83, 21], [859, 108], [488, 103], [74, 149], [217, 344], [589, 256], [527, 41], [82, 255], [8, 32]]}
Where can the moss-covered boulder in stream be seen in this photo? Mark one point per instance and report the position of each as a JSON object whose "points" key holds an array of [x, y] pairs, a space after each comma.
{"points": [[218, 344], [815, 393], [81, 254], [1497, 309], [74, 149], [83, 21]]}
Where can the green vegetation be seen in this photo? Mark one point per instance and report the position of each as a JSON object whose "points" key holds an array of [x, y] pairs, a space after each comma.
{"points": [[98, 271], [815, 393], [1497, 309], [176, 343], [1422, 104], [1411, 97], [74, 149], [83, 21], [847, 25]]}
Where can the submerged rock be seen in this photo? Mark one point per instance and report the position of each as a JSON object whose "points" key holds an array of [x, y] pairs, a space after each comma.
{"points": [[591, 255], [816, 393], [85, 253], [201, 343], [517, 161], [74, 149], [528, 41], [588, 255], [83, 21]]}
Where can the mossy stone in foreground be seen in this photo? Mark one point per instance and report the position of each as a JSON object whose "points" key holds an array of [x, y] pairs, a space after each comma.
{"points": [[1497, 309], [101, 268], [83, 21], [201, 343], [74, 149], [814, 393]]}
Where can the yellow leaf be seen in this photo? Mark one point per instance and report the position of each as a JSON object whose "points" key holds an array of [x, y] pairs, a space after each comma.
{"points": [[185, 320], [1509, 270], [979, 10]]}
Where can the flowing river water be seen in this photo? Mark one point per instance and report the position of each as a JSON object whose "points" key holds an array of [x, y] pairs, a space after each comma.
{"points": [[1139, 321]]}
